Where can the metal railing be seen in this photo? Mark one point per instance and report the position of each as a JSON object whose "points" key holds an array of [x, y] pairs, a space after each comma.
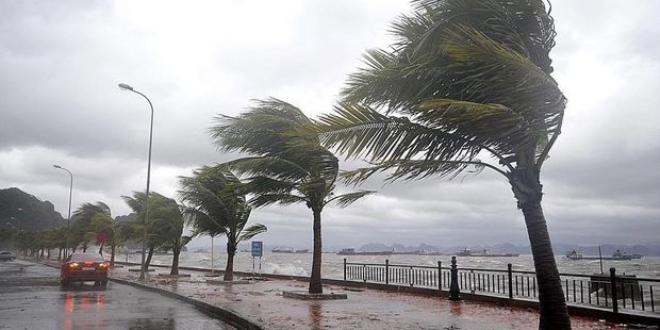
{"points": [[631, 294]]}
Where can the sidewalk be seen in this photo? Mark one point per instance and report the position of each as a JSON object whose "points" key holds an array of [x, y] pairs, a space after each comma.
{"points": [[263, 303]]}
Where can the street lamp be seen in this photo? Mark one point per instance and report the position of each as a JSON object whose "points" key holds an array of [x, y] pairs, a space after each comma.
{"points": [[68, 218], [18, 230], [143, 269]]}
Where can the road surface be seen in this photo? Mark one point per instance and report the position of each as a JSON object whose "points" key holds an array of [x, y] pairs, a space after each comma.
{"points": [[31, 298]]}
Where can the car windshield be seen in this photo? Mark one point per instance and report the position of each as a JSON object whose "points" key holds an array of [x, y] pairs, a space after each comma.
{"points": [[86, 257]]}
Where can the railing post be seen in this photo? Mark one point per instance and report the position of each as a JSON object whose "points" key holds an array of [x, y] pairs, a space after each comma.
{"points": [[510, 274], [440, 275], [615, 304], [344, 269], [387, 271], [454, 290]]}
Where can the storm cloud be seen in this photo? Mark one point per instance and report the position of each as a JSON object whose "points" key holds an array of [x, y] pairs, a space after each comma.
{"points": [[61, 63]]}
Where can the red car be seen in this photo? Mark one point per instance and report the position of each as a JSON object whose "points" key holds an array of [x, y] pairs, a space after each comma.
{"points": [[81, 267]]}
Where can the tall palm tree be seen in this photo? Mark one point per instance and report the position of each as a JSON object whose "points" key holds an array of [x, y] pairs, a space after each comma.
{"points": [[167, 216], [218, 205], [466, 78], [283, 166]]}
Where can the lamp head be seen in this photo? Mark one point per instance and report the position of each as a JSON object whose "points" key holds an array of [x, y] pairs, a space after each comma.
{"points": [[125, 86]]}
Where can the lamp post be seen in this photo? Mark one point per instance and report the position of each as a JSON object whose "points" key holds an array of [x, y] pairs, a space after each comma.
{"points": [[68, 218], [17, 232], [18, 229], [143, 269]]}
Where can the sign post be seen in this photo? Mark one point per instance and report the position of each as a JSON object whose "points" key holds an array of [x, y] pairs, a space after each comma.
{"points": [[257, 251]]}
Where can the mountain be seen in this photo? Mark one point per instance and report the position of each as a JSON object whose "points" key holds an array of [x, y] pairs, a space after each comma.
{"points": [[27, 212]]}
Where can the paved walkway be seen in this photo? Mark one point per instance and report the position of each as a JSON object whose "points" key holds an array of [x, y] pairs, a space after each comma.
{"points": [[262, 302]]}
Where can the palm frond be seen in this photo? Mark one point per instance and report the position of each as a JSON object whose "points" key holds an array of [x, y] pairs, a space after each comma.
{"points": [[408, 170], [348, 199], [264, 199], [251, 231], [357, 130]]}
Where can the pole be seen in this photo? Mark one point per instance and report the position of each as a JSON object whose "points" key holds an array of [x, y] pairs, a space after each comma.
{"points": [[600, 257], [143, 269], [454, 290], [68, 219]]}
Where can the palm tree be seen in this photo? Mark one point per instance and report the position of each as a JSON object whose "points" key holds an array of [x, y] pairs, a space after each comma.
{"points": [[84, 216], [167, 216], [219, 205], [467, 78], [105, 230], [155, 238], [284, 166]]}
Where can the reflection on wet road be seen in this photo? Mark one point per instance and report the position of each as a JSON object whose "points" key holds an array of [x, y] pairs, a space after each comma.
{"points": [[34, 300]]}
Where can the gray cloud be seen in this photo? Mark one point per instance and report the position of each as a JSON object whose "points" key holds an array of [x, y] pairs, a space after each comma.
{"points": [[61, 62]]}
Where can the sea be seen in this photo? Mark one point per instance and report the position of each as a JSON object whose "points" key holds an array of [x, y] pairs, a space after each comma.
{"points": [[300, 264]]}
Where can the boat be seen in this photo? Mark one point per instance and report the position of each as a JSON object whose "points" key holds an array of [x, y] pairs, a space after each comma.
{"points": [[617, 255], [283, 249], [302, 251], [484, 253], [352, 252], [425, 252]]}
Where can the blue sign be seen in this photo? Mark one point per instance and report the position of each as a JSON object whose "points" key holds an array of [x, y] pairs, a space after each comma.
{"points": [[257, 248]]}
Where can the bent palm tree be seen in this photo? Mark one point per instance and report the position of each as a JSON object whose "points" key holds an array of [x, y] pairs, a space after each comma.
{"points": [[167, 216], [218, 205], [106, 231], [84, 216], [468, 78], [154, 234], [284, 166]]}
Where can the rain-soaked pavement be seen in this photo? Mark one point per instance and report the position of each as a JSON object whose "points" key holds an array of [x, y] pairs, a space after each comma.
{"points": [[30, 298], [262, 302]]}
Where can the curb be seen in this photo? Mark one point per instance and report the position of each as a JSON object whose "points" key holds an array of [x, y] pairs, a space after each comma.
{"points": [[229, 317]]}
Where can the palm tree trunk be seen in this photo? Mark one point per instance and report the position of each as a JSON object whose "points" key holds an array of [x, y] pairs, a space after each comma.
{"points": [[175, 261], [112, 254], [554, 314], [315, 285], [212, 269], [148, 261], [229, 270]]}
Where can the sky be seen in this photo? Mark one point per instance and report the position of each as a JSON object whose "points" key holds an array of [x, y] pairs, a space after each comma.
{"points": [[61, 61]]}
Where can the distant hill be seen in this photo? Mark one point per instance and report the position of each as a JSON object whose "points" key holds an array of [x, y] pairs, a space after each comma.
{"points": [[27, 212]]}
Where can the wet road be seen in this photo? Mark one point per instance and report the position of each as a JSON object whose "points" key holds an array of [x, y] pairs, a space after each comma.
{"points": [[32, 299]]}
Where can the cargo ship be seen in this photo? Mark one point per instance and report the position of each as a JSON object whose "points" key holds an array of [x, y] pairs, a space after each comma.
{"points": [[352, 252], [484, 253]]}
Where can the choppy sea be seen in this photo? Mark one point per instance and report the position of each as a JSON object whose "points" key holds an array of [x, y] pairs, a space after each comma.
{"points": [[299, 264]]}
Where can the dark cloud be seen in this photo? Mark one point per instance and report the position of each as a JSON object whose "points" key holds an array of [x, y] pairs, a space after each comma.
{"points": [[59, 102]]}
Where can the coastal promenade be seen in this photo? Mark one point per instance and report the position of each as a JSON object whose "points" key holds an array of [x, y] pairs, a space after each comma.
{"points": [[262, 303]]}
